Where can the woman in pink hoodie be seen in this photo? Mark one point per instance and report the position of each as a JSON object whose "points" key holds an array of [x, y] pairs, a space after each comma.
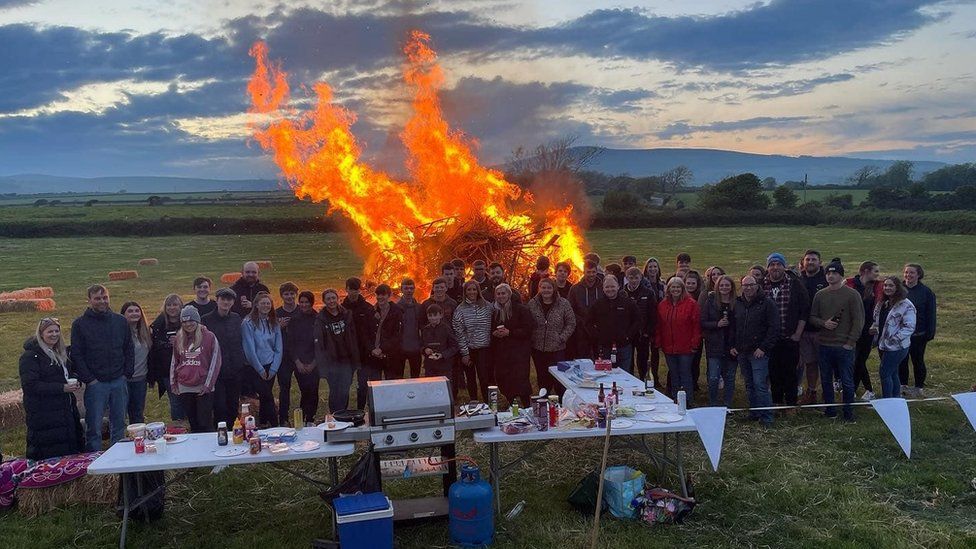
{"points": [[194, 369]]}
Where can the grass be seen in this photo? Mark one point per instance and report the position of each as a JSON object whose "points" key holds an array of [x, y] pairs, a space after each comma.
{"points": [[807, 482], [691, 198]]}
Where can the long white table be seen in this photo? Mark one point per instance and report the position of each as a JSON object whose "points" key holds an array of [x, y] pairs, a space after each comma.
{"points": [[198, 451], [641, 425]]}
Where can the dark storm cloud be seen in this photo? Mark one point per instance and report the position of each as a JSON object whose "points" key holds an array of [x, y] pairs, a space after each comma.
{"points": [[782, 32], [682, 128], [38, 64]]}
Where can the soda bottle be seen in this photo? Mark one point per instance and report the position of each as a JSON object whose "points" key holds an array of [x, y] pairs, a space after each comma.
{"points": [[515, 407]]}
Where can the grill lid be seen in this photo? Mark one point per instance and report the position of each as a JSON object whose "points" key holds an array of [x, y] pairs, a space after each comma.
{"points": [[404, 401]]}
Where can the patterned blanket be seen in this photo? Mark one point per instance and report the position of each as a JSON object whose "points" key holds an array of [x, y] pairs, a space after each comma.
{"points": [[25, 473]]}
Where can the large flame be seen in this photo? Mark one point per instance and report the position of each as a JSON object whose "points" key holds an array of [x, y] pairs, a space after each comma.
{"points": [[407, 228]]}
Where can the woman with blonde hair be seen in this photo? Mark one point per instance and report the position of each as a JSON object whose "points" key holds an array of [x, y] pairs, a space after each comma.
{"points": [[718, 327], [472, 329], [53, 423], [263, 349], [194, 370], [678, 334], [163, 329], [141, 343], [895, 320]]}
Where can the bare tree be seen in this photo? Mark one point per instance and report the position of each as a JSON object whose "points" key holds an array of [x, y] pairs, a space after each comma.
{"points": [[554, 156], [863, 175], [676, 178]]}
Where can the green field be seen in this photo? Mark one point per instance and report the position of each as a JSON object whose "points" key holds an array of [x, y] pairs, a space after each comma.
{"points": [[807, 482]]}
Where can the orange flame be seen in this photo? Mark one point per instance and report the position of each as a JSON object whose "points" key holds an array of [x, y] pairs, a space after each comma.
{"points": [[319, 156]]}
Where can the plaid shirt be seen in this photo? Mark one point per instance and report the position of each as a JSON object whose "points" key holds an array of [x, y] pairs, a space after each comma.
{"points": [[779, 292]]}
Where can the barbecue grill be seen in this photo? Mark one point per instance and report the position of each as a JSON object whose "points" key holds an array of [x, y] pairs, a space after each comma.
{"points": [[406, 415]]}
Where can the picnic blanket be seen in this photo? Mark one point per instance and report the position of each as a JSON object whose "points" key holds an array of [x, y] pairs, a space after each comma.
{"points": [[28, 474]]}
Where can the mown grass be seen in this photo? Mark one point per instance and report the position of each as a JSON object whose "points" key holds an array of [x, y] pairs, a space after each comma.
{"points": [[807, 482]]}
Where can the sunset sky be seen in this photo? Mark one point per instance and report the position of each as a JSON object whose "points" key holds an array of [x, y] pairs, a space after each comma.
{"points": [[110, 87]]}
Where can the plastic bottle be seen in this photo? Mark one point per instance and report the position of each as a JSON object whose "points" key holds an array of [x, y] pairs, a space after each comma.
{"points": [[238, 432]]}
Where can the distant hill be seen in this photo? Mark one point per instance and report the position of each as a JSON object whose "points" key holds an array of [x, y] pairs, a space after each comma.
{"points": [[36, 183], [711, 165]]}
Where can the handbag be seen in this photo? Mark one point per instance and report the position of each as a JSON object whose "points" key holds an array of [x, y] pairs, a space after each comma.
{"points": [[583, 497]]}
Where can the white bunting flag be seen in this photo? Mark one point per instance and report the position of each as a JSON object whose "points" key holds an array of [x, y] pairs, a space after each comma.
{"points": [[894, 412], [710, 423], [967, 401]]}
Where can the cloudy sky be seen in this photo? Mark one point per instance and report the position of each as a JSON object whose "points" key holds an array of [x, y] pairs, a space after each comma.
{"points": [[112, 87]]}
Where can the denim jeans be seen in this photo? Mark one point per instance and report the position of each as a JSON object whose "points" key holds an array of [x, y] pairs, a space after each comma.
{"points": [[755, 373], [137, 401], [840, 361], [679, 371], [721, 368], [890, 382], [339, 378], [176, 412], [625, 358], [112, 395]]}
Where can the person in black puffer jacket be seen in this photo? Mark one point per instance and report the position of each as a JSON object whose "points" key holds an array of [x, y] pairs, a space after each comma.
{"points": [[53, 423], [163, 330]]}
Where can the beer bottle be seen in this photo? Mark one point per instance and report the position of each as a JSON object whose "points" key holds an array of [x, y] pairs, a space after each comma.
{"points": [[601, 397]]}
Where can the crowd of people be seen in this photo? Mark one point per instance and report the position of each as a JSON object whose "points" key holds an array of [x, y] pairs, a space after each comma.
{"points": [[778, 324]]}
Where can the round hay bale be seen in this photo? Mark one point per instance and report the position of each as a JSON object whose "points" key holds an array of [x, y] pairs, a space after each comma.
{"points": [[229, 278], [149, 261], [265, 265], [28, 293], [26, 305], [122, 275], [12, 409]]}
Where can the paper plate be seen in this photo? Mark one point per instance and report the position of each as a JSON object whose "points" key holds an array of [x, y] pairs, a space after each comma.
{"points": [[667, 418], [644, 407], [278, 432], [305, 446], [621, 424], [338, 426], [176, 439], [231, 452]]}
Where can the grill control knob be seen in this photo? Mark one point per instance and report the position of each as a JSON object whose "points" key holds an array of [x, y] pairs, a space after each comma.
{"points": [[414, 437], [438, 434], [389, 439]]}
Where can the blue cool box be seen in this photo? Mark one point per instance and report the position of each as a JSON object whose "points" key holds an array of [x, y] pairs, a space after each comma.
{"points": [[365, 521]]}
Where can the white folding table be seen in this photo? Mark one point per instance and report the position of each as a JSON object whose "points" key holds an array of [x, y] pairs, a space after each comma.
{"points": [[642, 425], [198, 450]]}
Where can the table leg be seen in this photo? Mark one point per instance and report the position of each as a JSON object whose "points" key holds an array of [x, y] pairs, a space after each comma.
{"points": [[680, 465], [496, 472], [125, 508], [664, 463], [334, 471]]}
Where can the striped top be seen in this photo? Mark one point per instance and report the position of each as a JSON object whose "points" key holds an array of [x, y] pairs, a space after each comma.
{"points": [[472, 326]]}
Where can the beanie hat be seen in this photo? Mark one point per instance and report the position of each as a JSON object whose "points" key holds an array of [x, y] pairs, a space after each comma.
{"points": [[776, 257], [835, 266], [189, 313]]}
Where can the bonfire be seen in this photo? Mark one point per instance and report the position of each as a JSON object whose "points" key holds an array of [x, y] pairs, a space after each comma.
{"points": [[452, 206]]}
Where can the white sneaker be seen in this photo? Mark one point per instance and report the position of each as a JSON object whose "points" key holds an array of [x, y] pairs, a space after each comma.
{"points": [[799, 391], [721, 383], [837, 387], [868, 396]]}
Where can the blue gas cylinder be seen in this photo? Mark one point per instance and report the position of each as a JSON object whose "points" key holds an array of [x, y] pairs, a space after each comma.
{"points": [[471, 516]]}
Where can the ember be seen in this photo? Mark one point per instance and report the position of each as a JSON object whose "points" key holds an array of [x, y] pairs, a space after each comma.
{"points": [[453, 207]]}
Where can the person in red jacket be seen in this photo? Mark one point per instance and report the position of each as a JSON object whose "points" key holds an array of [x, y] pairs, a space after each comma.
{"points": [[678, 333]]}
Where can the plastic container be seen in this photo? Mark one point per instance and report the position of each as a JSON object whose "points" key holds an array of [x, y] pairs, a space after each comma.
{"points": [[365, 521], [471, 518]]}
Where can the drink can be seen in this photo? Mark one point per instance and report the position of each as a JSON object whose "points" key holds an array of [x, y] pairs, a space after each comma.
{"points": [[554, 411], [493, 398], [542, 413], [140, 443], [298, 419], [601, 418]]}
